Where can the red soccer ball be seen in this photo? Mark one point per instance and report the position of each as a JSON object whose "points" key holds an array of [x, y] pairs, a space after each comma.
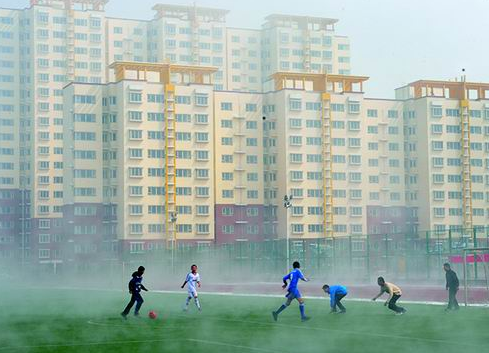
{"points": [[152, 315]]}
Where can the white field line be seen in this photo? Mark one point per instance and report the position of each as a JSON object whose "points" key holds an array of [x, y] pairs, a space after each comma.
{"points": [[107, 343], [223, 344], [358, 333], [218, 343], [166, 327], [257, 295], [86, 344]]}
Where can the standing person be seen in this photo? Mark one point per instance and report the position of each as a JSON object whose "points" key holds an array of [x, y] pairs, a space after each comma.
{"points": [[336, 293], [452, 287], [135, 286], [394, 295], [193, 281], [293, 291]]}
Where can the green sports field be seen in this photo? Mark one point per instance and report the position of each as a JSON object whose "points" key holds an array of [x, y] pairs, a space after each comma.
{"points": [[52, 320]]}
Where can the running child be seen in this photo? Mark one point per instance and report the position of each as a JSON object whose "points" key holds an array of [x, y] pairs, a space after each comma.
{"points": [[336, 293], [394, 295], [135, 285], [293, 291], [193, 281]]}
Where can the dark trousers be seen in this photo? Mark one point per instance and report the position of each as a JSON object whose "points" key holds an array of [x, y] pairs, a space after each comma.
{"points": [[393, 306], [135, 298], [452, 298], [337, 302]]}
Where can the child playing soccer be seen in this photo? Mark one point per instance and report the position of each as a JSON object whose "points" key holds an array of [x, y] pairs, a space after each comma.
{"points": [[135, 286], [336, 293], [193, 281], [293, 291], [394, 294]]}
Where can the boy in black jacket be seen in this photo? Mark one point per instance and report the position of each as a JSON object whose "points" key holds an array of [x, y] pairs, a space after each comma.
{"points": [[452, 287], [135, 286]]}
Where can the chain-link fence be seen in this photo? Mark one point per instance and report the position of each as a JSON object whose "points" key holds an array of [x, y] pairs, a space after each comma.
{"points": [[361, 258], [405, 257]]}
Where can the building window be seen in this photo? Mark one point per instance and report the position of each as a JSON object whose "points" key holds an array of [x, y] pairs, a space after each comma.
{"points": [[353, 107], [295, 104], [436, 111], [227, 106], [201, 99]]}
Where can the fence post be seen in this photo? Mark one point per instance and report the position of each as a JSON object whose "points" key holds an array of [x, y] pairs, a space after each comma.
{"points": [[406, 254], [428, 254], [449, 241], [368, 257], [474, 232], [318, 255], [333, 262], [350, 254], [123, 276]]}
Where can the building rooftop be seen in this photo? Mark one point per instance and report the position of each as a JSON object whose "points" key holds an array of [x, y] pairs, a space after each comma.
{"points": [[304, 21], [96, 5], [449, 89], [318, 82], [139, 70], [189, 12]]}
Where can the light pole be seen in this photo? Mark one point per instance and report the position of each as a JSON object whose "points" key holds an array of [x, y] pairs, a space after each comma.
{"points": [[173, 220], [287, 205]]}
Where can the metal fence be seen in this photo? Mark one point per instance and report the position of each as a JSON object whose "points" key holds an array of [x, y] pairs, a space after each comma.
{"points": [[407, 257]]}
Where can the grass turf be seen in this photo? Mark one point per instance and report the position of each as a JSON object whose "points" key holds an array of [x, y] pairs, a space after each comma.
{"points": [[88, 321]]}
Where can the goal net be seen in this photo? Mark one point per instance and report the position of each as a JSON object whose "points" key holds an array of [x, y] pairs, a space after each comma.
{"points": [[476, 273]]}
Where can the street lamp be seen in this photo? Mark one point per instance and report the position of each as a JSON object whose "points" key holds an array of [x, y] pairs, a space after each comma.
{"points": [[287, 205], [173, 220]]}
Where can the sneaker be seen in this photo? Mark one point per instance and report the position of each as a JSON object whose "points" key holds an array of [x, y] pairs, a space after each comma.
{"points": [[342, 312], [400, 313], [305, 318], [275, 315], [124, 316], [137, 315]]}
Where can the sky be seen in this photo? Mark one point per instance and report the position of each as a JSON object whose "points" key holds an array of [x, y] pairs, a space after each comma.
{"points": [[393, 42]]}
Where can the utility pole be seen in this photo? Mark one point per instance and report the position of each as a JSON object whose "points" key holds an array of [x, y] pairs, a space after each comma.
{"points": [[287, 205], [173, 220]]}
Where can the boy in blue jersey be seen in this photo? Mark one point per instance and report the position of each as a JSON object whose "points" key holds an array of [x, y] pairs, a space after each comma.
{"points": [[336, 293], [135, 286], [293, 291]]}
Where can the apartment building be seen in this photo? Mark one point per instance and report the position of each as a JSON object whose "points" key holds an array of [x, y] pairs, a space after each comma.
{"points": [[239, 166], [190, 35], [140, 157], [446, 125], [338, 154], [244, 60], [303, 44], [53, 43], [11, 195], [45, 47], [130, 134]]}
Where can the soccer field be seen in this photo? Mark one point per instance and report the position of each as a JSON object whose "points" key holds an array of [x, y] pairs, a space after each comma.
{"points": [[51, 320]]}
